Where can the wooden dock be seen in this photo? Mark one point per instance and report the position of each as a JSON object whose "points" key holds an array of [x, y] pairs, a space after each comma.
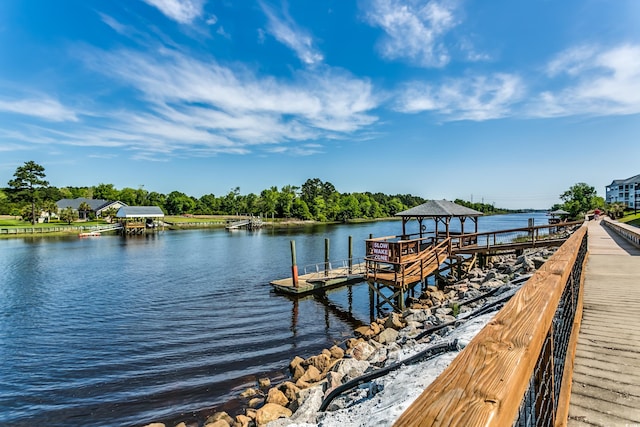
{"points": [[320, 280], [606, 379]]}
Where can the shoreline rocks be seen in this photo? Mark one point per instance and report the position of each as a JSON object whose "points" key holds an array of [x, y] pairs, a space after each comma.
{"points": [[380, 343]]}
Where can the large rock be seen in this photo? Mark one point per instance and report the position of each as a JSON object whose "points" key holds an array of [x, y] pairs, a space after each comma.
{"points": [[321, 362], [297, 372], [278, 397], [242, 421], [416, 315], [336, 352], [255, 402], [351, 368], [437, 297], [219, 416], [387, 336], [219, 423], [361, 351], [271, 412], [394, 321], [155, 425], [312, 375], [290, 390], [364, 331], [297, 361], [352, 342]]}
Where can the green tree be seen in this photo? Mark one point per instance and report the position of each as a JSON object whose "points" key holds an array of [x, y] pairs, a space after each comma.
{"points": [[84, 208], [110, 213], [68, 215], [105, 192], [269, 201], [50, 207], [29, 178], [178, 203], [580, 199], [300, 209]]}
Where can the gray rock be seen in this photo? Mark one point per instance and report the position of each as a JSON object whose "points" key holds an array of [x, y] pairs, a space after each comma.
{"points": [[387, 336], [351, 368]]}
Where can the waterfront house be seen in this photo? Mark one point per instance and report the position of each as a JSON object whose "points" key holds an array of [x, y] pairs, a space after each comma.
{"points": [[625, 191]]}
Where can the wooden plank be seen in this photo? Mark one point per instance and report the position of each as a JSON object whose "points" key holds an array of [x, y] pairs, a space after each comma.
{"points": [[484, 385]]}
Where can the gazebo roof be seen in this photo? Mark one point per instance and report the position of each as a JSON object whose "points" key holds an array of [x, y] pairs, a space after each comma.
{"points": [[439, 208], [140, 212], [559, 212]]}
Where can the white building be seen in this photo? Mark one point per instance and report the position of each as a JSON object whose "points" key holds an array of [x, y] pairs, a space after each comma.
{"points": [[626, 191]]}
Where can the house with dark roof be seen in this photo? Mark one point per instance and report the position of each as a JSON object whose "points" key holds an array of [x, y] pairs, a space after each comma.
{"points": [[625, 191], [97, 206]]}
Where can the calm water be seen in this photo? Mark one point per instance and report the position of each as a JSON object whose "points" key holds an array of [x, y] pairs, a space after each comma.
{"points": [[116, 331]]}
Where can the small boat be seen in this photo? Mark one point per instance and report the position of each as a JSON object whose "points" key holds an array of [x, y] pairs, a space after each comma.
{"points": [[90, 234]]}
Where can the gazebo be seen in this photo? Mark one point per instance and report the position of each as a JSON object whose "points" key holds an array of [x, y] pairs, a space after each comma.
{"points": [[562, 214], [440, 211]]}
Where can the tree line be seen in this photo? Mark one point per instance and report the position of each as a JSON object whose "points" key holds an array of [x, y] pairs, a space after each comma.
{"points": [[29, 193]]}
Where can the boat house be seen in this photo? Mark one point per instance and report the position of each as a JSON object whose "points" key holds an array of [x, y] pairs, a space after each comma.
{"points": [[139, 219]]}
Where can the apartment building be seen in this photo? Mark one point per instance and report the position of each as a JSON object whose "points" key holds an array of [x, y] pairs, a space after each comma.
{"points": [[626, 191]]}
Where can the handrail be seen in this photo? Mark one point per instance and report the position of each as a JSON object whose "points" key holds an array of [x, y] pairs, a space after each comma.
{"points": [[631, 234], [517, 369]]}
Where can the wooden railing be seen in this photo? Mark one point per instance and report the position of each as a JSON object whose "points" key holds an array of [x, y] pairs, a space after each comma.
{"points": [[518, 368], [525, 236], [631, 234]]}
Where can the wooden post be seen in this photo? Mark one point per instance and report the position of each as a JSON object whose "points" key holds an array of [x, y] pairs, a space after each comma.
{"points": [[326, 257], [350, 254], [294, 267]]}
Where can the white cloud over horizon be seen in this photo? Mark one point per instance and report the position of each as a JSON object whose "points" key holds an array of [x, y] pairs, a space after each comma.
{"points": [[476, 98], [597, 81], [42, 107]]}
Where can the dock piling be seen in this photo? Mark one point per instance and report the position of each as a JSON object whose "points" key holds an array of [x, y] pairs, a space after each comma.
{"points": [[326, 257], [350, 254], [294, 266]]}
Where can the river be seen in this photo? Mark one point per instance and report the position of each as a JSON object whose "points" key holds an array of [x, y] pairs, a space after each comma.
{"points": [[116, 331]]}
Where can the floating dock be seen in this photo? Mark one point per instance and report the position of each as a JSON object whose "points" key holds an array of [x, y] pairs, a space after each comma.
{"points": [[320, 280]]}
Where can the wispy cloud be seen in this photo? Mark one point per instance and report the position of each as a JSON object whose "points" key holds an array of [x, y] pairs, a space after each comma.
{"points": [[200, 106], [286, 31], [475, 98], [43, 108], [595, 81], [414, 29], [182, 11]]}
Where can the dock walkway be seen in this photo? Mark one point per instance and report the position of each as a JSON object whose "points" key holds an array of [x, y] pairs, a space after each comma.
{"points": [[606, 380]]}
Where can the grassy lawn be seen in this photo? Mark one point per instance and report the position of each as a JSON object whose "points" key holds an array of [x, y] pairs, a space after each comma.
{"points": [[631, 219]]}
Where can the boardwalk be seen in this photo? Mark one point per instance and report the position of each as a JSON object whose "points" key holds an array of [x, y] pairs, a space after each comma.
{"points": [[606, 380]]}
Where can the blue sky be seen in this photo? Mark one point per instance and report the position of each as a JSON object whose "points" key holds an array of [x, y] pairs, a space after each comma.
{"points": [[500, 101]]}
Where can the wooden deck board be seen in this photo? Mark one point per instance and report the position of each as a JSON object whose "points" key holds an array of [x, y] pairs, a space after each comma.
{"points": [[606, 382]]}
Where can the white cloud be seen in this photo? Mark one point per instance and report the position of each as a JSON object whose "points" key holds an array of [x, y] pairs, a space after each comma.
{"points": [[595, 82], [182, 11], [212, 20], [476, 98], [43, 108], [414, 29], [204, 107], [287, 32]]}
